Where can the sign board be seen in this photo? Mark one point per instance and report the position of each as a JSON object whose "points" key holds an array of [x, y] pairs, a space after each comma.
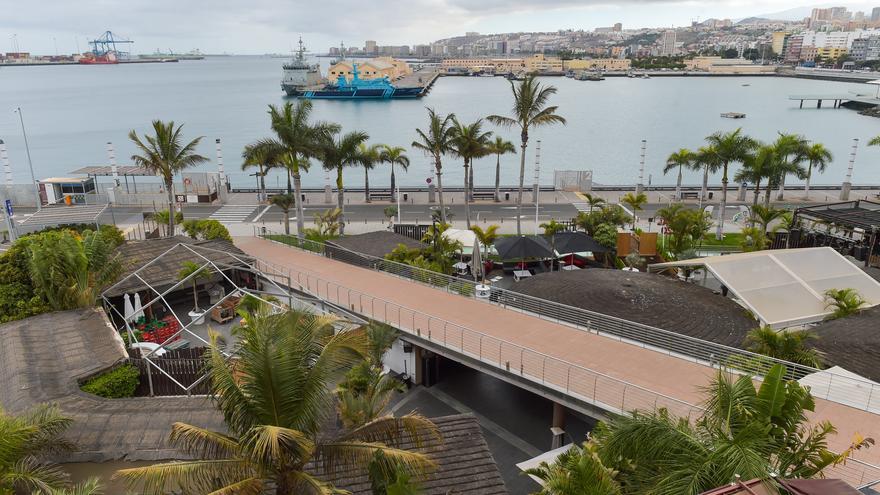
{"points": [[428, 180], [8, 205], [180, 198], [192, 198]]}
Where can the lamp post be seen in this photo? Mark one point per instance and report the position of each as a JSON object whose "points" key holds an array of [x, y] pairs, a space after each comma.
{"points": [[537, 180], [847, 184], [641, 185], [30, 163]]}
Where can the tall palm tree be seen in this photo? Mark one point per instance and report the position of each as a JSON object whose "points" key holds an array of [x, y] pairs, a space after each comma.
{"points": [[746, 431], [757, 167], [394, 155], [262, 156], [708, 161], [764, 216], [499, 147], [296, 140], [469, 141], [436, 142], [284, 202], [682, 158], [791, 150], [818, 157], [165, 155], [530, 110], [636, 202], [486, 236], [730, 147], [370, 156], [277, 400], [338, 153], [788, 346], [27, 443], [577, 471]]}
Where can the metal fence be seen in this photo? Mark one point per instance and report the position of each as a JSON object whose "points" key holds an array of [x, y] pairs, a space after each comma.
{"points": [[859, 393]]}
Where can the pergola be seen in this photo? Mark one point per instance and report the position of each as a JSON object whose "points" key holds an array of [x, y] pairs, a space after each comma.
{"points": [[50, 216], [850, 226]]}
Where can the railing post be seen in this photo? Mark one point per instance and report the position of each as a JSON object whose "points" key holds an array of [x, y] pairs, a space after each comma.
{"points": [[623, 400], [568, 380]]}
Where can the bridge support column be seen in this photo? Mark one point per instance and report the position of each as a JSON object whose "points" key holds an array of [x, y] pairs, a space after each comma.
{"points": [[818, 103], [802, 103], [558, 426]]}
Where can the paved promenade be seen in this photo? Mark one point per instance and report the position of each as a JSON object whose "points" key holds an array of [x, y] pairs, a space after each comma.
{"points": [[596, 368]]}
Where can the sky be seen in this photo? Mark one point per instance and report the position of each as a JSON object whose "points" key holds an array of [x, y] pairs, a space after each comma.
{"points": [[273, 26]]}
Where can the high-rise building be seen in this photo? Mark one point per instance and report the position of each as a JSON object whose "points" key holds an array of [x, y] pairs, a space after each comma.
{"points": [[778, 42], [667, 43], [370, 47], [875, 14]]}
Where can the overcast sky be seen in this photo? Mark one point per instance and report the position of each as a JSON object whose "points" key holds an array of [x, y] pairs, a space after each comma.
{"points": [[265, 26]]}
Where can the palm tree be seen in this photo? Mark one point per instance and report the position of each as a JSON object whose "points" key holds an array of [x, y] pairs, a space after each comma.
{"points": [[469, 142], [764, 216], [552, 228], [162, 218], [683, 158], [593, 201], [874, 141], [844, 302], [165, 155], [486, 237], [787, 346], [363, 400], [370, 156], [730, 147], [261, 156], [296, 140], [195, 272], [819, 157], [394, 155], [276, 398], [27, 443], [758, 166], [791, 150], [706, 159], [338, 153], [284, 202], [577, 471], [91, 486], [499, 147], [636, 202], [746, 431], [530, 110], [436, 142]]}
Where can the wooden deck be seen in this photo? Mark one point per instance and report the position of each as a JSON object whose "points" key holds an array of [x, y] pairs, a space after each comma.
{"points": [[597, 368]]}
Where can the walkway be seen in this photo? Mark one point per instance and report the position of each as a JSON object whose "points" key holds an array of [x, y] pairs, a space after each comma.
{"points": [[594, 368]]}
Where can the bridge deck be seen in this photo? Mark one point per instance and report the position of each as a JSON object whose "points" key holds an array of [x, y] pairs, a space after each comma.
{"points": [[552, 353]]}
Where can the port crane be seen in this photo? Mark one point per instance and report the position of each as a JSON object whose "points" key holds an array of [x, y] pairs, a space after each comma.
{"points": [[106, 43]]}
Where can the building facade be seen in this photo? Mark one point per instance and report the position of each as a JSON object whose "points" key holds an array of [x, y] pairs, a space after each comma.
{"points": [[370, 69], [866, 49], [612, 64], [667, 43]]}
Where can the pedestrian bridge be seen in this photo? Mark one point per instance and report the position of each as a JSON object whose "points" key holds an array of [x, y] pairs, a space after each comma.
{"points": [[582, 369]]}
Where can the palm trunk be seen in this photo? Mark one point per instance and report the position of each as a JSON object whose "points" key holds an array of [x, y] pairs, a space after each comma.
{"points": [[438, 166], [522, 178], [393, 188], [678, 185], [287, 222], [169, 186], [719, 233], [195, 297], [288, 180], [705, 191], [498, 178], [767, 192], [300, 221], [470, 187], [755, 202], [807, 183], [779, 195], [467, 203], [367, 185], [340, 200], [262, 184]]}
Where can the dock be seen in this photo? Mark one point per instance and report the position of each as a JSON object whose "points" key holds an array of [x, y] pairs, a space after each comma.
{"points": [[733, 115], [424, 78], [837, 99]]}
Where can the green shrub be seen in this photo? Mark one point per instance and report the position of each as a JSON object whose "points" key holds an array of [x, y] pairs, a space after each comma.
{"points": [[117, 383]]}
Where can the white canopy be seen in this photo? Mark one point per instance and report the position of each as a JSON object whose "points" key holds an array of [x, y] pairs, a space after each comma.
{"points": [[786, 287], [548, 457], [466, 237]]}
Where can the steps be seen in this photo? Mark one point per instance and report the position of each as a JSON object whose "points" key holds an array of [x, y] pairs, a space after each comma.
{"points": [[233, 213]]}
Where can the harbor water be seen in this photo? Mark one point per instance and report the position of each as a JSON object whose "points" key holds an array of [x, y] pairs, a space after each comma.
{"points": [[70, 112]]}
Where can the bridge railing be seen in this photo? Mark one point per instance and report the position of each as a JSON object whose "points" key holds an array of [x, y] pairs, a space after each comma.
{"points": [[576, 381], [852, 391]]}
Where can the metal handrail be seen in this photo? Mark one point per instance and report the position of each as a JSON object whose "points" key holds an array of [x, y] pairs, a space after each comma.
{"points": [[857, 393]]}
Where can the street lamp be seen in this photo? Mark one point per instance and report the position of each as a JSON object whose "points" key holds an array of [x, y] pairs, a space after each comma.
{"points": [[30, 163]]}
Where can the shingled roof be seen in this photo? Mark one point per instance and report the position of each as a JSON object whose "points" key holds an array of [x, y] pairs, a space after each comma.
{"points": [[465, 464], [852, 342], [646, 298], [378, 243], [44, 357]]}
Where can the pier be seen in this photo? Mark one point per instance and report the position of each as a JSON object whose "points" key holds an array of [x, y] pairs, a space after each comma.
{"points": [[837, 99]]}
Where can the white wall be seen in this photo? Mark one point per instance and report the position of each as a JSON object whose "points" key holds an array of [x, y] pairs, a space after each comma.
{"points": [[398, 361]]}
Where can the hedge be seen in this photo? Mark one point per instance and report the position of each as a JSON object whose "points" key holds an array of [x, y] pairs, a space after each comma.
{"points": [[117, 383]]}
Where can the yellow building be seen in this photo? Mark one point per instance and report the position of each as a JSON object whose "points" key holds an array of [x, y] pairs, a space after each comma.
{"points": [[778, 42], [539, 63], [499, 65], [370, 69], [830, 52], [613, 64]]}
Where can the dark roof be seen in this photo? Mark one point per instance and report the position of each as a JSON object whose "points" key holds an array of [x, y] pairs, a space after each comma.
{"points": [[646, 298], [852, 342], [465, 464], [861, 213], [44, 357], [135, 254], [378, 243]]}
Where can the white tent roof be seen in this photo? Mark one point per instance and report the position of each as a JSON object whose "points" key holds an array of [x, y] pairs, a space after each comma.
{"points": [[465, 237], [548, 457], [785, 287]]}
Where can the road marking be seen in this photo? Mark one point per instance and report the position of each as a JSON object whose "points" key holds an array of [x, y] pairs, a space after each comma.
{"points": [[257, 218], [233, 213]]}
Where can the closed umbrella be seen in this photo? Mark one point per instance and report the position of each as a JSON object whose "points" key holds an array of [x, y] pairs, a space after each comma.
{"points": [[477, 263], [525, 246], [129, 310], [138, 307]]}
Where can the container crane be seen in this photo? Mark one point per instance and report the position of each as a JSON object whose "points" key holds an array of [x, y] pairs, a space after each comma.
{"points": [[105, 50]]}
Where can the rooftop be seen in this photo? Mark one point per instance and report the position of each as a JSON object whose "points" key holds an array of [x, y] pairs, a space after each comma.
{"points": [[376, 244], [852, 342]]}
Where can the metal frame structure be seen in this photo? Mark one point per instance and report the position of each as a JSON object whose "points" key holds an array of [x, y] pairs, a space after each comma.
{"points": [[860, 220], [218, 267]]}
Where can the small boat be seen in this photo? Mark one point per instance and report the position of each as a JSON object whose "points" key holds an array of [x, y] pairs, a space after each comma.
{"points": [[733, 115], [646, 76], [744, 85]]}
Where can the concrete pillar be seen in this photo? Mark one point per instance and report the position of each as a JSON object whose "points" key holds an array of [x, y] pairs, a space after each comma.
{"points": [[432, 191], [7, 169], [558, 427], [741, 192], [417, 372], [847, 184]]}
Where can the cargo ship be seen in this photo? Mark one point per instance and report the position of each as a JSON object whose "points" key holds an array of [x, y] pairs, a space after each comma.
{"points": [[301, 80]]}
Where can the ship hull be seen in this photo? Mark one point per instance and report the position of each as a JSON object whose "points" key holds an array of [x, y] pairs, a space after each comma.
{"points": [[353, 93]]}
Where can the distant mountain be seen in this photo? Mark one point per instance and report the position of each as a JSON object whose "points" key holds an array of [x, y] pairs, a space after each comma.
{"points": [[795, 14], [755, 20]]}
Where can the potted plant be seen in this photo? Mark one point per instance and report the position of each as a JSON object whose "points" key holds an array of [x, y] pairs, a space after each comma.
{"points": [[197, 315]]}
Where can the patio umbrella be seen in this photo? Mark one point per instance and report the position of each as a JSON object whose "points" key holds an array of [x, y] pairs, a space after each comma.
{"points": [[129, 310], [477, 263], [138, 307], [525, 246], [577, 242]]}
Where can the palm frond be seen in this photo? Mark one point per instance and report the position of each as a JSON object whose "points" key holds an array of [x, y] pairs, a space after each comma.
{"points": [[203, 476]]}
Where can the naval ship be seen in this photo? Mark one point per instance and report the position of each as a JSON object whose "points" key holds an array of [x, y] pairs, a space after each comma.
{"points": [[302, 80]]}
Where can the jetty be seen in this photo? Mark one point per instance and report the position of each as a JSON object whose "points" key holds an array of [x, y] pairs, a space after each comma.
{"points": [[837, 99], [733, 115]]}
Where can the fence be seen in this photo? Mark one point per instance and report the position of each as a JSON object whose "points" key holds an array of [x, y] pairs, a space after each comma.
{"points": [[573, 180], [184, 365], [854, 392]]}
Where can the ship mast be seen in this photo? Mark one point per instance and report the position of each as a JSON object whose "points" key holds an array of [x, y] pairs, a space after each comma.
{"points": [[301, 51]]}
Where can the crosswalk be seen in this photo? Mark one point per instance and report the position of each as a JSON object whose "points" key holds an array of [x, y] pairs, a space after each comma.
{"points": [[233, 213], [581, 206]]}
